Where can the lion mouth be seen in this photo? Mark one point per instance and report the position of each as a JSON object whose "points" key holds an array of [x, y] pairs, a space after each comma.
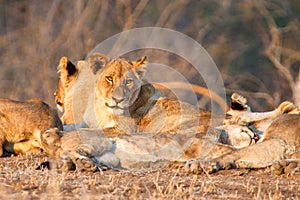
{"points": [[114, 107]]}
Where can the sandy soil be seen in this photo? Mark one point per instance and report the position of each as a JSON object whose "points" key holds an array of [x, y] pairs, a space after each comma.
{"points": [[19, 179]]}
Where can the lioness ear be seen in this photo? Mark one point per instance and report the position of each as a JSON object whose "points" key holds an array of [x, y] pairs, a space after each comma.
{"points": [[66, 67], [140, 66], [97, 61]]}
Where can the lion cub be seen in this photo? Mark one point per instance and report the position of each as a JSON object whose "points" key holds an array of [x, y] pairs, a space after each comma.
{"points": [[87, 149], [21, 124]]}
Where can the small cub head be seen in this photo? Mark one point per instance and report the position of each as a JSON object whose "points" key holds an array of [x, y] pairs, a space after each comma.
{"points": [[50, 140], [119, 84]]}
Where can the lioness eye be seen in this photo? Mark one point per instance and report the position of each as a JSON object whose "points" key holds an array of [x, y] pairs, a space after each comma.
{"points": [[109, 79], [129, 81]]}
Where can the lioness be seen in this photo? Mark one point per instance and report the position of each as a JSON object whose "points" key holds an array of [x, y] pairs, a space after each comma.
{"points": [[125, 102], [86, 149], [281, 141], [21, 124], [77, 82], [242, 127]]}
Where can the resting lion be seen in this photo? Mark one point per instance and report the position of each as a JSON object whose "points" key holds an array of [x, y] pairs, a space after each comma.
{"points": [[87, 149], [281, 141], [242, 127], [21, 125], [122, 100], [75, 84]]}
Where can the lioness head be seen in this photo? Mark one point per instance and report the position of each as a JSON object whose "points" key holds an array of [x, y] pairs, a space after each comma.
{"points": [[119, 84], [76, 82], [66, 81]]}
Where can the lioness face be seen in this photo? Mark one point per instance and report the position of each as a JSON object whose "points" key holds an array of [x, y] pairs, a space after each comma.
{"points": [[59, 96], [68, 73], [119, 84], [75, 84]]}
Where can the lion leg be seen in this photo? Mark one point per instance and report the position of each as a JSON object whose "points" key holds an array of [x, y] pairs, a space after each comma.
{"points": [[82, 163], [286, 166], [1, 148], [108, 159], [24, 147], [239, 102], [284, 107], [62, 164], [260, 155], [85, 164], [2, 142], [30, 145], [244, 118], [71, 160]]}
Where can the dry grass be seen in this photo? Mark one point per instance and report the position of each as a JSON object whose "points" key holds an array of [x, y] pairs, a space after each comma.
{"points": [[20, 180]]}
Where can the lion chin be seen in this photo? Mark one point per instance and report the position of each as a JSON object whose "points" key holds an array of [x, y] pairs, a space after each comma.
{"points": [[115, 110]]}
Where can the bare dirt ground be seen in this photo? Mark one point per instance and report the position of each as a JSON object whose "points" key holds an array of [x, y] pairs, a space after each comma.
{"points": [[19, 179]]}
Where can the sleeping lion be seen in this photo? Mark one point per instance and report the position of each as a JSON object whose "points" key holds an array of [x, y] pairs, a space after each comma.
{"points": [[22, 123]]}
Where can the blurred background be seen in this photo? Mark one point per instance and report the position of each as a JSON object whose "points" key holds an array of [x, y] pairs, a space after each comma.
{"points": [[255, 44]]}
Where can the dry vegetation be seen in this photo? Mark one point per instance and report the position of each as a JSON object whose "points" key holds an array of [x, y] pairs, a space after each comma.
{"points": [[255, 45], [20, 180]]}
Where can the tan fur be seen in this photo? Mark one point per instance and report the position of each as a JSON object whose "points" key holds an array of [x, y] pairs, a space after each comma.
{"points": [[125, 101], [93, 150], [21, 124], [75, 85], [242, 127], [246, 115], [281, 141], [88, 149]]}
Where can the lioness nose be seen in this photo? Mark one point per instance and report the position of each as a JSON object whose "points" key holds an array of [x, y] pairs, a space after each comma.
{"points": [[118, 100]]}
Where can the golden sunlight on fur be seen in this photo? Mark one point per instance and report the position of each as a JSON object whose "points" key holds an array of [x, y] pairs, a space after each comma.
{"points": [[22, 123]]}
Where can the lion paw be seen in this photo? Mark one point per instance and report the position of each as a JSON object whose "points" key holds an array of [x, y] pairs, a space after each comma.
{"points": [[239, 102], [85, 164], [285, 107], [84, 150], [63, 164], [288, 167], [197, 167], [237, 98]]}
